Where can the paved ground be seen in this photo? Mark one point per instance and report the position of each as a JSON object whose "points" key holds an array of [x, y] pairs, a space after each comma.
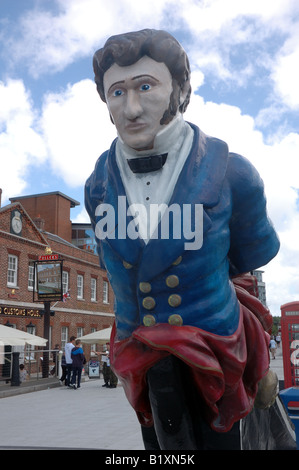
{"points": [[277, 364], [92, 417]]}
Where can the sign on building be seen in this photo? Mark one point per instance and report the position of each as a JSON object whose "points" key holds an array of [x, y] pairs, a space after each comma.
{"points": [[48, 282]]}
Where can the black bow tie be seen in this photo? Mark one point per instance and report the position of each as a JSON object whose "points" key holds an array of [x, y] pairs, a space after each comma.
{"points": [[147, 164]]}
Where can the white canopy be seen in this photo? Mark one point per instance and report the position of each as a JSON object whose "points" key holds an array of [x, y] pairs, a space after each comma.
{"points": [[97, 337], [13, 337]]}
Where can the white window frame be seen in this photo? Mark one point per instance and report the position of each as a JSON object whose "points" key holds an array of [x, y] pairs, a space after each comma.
{"points": [[80, 286], [12, 271], [65, 282], [64, 336], [105, 292], [80, 331], [93, 288], [30, 348], [30, 275]]}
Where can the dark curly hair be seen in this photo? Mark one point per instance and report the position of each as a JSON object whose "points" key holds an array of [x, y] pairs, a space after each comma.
{"points": [[126, 49]]}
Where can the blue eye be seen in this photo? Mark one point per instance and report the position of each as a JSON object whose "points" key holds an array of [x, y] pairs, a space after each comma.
{"points": [[145, 87], [117, 93]]}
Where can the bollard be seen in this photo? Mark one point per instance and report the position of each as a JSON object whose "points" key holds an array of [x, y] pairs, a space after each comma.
{"points": [[59, 374], [15, 372]]}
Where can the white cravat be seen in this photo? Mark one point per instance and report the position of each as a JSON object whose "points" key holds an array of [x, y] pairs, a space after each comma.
{"points": [[156, 187]]}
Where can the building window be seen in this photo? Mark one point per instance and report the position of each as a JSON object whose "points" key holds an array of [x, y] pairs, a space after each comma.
{"points": [[12, 272], [31, 329], [80, 331], [65, 282], [83, 237], [93, 289], [30, 276], [79, 286], [64, 336], [105, 292]]}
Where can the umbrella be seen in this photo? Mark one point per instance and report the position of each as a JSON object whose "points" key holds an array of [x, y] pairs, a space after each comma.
{"points": [[97, 337], [13, 337]]}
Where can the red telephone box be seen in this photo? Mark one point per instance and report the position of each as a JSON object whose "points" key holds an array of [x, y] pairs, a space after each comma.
{"points": [[290, 343]]}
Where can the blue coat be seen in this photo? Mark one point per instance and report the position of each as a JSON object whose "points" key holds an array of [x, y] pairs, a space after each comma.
{"points": [[162, 282], [77, 357]]}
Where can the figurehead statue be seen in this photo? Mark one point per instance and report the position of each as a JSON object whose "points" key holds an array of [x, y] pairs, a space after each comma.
{"points": [[190, 339]]}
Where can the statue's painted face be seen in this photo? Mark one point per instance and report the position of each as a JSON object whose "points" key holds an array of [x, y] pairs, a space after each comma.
{"points": [[137, 97]]}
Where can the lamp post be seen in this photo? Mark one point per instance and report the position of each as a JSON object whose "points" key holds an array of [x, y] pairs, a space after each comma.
{"points": [[49, 288], [45, 367]]}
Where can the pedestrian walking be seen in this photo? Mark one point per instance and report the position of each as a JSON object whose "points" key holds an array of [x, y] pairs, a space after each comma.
{"points": [[273, 347], [63, 367], [79, 360], [278, 340], [68, 359]]}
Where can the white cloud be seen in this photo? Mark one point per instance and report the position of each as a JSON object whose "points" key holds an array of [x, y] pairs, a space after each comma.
{"points": [[266, 38], [21, 145], [82, 217], [197, 80], [49, 42], [278, 165], [286, 78], [77, 129]]}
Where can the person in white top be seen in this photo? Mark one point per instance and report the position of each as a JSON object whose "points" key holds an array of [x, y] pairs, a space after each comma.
{"points": [[273, 347], [68, 359]]}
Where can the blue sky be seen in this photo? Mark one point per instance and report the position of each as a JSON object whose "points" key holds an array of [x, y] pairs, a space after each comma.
{"points": [[244, 57]]}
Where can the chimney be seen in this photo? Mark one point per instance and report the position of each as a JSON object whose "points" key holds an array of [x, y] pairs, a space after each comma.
{"points": [[0, 196]]}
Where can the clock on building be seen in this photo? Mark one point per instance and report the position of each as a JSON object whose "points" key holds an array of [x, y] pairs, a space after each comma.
{"points": [[16, 223]]}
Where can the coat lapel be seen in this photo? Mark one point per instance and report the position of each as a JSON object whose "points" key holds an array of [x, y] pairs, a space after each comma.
{"points": [[115, 196]]}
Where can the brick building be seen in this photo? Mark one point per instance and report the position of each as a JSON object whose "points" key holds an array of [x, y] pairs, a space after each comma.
{"points": [[28, 226]]}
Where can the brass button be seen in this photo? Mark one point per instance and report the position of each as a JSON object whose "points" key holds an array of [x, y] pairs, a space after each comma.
{"points": [[172, 281], [145, 287], [149, 320], [127, 265], [175, 320], [177, 261], [149, 303], [174, 300]]}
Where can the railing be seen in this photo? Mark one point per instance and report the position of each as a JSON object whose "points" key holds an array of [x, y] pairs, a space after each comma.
{"points": [[34, 364], [5, 366]]}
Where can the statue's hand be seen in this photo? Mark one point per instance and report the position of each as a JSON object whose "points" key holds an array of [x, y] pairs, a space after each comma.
{"points": [[267, 391]]}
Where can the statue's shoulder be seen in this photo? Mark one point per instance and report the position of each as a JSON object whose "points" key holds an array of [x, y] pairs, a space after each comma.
{"points": [[242, 174], [100, 169], [99, 175], [95, 185]]}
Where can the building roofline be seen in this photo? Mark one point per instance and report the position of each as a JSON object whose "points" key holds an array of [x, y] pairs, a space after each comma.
{"points": [[19, 204], [73, 202], [82, 223]]}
